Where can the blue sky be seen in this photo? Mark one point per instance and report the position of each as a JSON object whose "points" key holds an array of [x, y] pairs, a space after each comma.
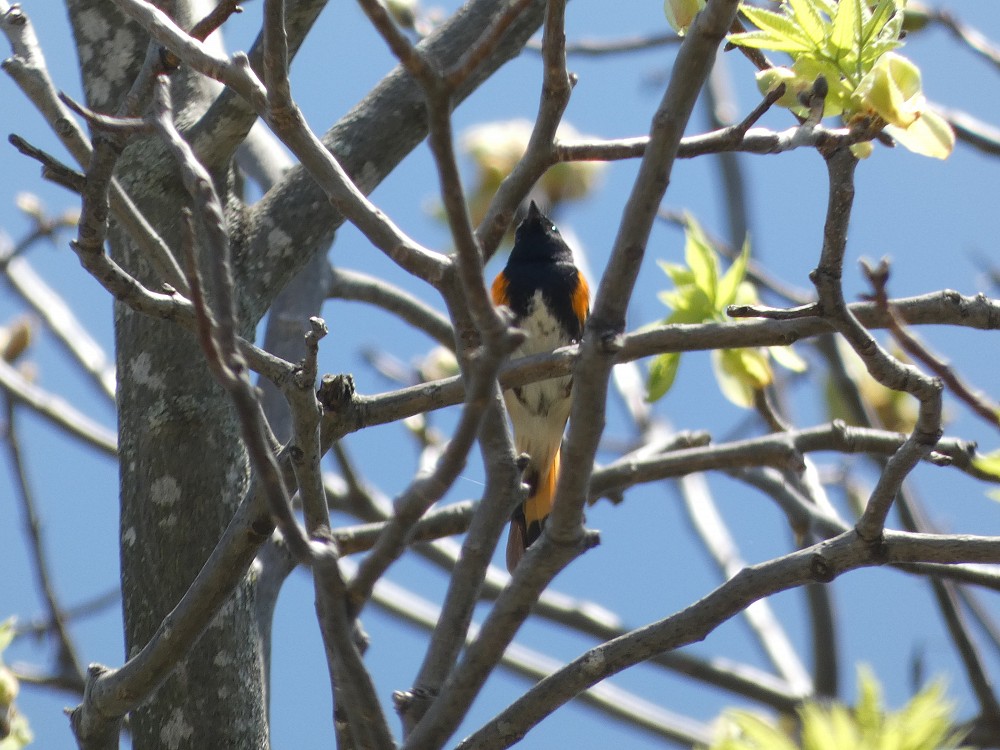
{"points": [[934, 219]]}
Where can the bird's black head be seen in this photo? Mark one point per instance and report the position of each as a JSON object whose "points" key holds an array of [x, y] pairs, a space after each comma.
{"points": [[538, 240]]}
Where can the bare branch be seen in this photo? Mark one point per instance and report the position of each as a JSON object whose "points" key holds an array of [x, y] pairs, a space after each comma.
{"points": [[604, 47], [882, 366], [59, 318], [613, 701], [28, 68], [348, 411], [979, 402], [360, 287], [563, 537], [972, 37], [718, 540], [68, 661], [968, 129], [820, 562], [56, 410], [557, 85], [291, 128], [305, 450]]}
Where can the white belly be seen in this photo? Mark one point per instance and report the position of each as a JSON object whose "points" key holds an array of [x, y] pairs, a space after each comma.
{"points": [[539, 410]]}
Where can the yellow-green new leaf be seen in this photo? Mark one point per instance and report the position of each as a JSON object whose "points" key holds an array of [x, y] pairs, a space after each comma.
{"points": [[678, 274], [788, 358], [869, 711], [20, 734], [662, 372], [892, 90], [880, 18], [729, 285], [809, 20], [929, 135], [786, 34], [845, 38], [680, 13], [770, 78], [766, 40], [754, 732], [988, 463], [827, 728], [741, 373], [6, 633], [689, 304], [702, 260]]}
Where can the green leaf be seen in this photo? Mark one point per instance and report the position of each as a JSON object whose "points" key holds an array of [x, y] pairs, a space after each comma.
{"points": [[930, 135], [702, 260], [678, 274], [770, 78], [925, 723], [680, 13], [875, 50], [869, 711], [746, 294], [662, 372], [807, 14], [845, 38], [788, 358], [880, 16], [758, 733], [740, 373], [6, 633], [689, 304], [988, 463], [20, 733], [766, 40], [781, 27], [891, 89], [820, 729], [828, 6], [730, 283], [893, 28]]}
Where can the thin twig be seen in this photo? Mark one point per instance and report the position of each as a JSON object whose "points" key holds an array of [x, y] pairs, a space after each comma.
{"points": [[290, 127], [68, 662], [60, 319], [971, 130], [714, 534], [42, 626], [305, 449], [360, 287], [978, 401], [56, 410], [605, 47], [166, 305], [564, 537], [631, 709], [28, 68], [348, 411], [890, 372], [539, 155], [972, 37]]}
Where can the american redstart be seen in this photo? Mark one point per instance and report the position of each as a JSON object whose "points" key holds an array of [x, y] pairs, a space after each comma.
{"points": [[550, 300]]}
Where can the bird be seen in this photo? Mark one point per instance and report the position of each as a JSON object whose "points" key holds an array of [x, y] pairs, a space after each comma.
{"points": [[550, 301]]}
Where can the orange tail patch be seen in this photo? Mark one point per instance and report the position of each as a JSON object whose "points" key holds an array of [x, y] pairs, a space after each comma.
{"points": [[528, 521]]}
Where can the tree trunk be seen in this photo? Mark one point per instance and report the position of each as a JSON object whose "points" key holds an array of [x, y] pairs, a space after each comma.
{"points": [[183, 469]]}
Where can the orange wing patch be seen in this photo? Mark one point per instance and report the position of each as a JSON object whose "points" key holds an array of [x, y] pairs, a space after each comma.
{"points": [[499, 289], [581, 299]]}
